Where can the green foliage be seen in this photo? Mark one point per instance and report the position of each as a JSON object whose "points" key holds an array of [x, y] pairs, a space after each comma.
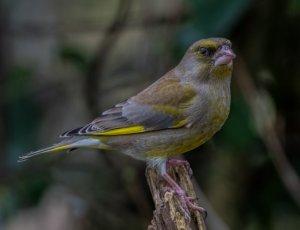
{"points": [[212, 18], [26, 191], [216, 17]]}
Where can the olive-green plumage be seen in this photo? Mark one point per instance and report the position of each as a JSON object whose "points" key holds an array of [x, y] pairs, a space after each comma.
{"points": [[177, 113]]}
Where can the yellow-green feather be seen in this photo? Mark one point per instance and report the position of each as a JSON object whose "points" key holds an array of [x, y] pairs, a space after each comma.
{"points": [[121, 131]]}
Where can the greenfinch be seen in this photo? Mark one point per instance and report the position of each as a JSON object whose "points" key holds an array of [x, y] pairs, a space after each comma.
{"points": [[177, 113]]}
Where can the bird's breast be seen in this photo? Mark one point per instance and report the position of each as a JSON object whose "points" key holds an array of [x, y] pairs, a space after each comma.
{"points": [[213, 108]]}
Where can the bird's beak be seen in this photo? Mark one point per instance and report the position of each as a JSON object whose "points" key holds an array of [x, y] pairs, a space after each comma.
{"points": [[224, 56]]}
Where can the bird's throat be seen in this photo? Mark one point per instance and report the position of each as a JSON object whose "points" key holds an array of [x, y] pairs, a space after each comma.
{"points": [[222, 71]]}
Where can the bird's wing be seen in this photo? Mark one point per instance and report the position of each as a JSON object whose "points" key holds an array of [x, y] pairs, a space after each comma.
{"points": [[163, 105]]}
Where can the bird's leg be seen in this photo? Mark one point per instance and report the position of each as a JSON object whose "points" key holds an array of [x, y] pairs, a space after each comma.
{"points": [[178, 162], [184, 199]]}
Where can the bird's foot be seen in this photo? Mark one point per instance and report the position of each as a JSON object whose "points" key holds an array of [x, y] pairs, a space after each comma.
{"points": [[185, 200], [178, 162]]}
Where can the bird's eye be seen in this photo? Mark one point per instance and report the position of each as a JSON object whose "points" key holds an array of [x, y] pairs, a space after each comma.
{"points": [[204, 51]]}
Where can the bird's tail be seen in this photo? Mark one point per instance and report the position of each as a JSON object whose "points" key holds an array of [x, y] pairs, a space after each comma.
{"points": [[69, 143]]}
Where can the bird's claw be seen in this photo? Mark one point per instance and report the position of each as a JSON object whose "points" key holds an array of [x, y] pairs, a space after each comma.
{"points": [[185, 200], [188, 205]]}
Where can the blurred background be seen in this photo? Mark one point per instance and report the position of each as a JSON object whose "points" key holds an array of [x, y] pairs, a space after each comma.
{"points": [[63, 62]]}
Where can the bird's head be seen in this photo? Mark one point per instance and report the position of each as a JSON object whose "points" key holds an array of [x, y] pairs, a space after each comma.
{"points": [[213, 56]]}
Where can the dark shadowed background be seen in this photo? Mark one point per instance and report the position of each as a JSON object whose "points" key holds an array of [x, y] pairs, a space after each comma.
{"points": [[63, 62]]}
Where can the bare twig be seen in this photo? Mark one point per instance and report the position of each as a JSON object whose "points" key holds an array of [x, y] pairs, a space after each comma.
{"points": [[169, 213], [259, 102]]}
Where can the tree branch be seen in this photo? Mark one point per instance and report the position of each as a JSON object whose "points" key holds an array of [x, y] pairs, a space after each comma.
{"points": [[169, 213]]}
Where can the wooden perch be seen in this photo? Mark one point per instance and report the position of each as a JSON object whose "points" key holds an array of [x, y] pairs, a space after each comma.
{"points": [[169, 213]]}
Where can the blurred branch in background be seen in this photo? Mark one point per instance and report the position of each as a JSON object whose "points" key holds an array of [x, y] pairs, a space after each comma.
{"points": [[265, 118], [92, 94], [111, 35], [94, 72]]}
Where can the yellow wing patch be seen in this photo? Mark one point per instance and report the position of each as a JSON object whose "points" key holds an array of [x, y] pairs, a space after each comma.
{"points": [[121, 131], [132, 130], [62, 147]]}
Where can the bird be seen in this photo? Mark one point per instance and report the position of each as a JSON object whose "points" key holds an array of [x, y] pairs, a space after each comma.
{"points": [[177, 113]]}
